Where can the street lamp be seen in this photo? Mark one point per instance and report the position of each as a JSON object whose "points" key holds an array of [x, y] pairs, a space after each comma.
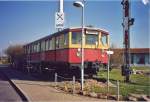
{"points": [[108, 53], [81, 4]]}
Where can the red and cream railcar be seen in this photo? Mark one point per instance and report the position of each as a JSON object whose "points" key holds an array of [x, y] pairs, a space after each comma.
{"points": [[61, 50]]}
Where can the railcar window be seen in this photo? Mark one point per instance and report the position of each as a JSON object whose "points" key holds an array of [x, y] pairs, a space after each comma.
{"points": [[51, 44], [66, 39], [38, 47], [25, 49], [91, 38], [43, 46], [34, 47], [76, 37], [57, 42], [61, 41], [104, 39], [47, 45], [28, 49]]}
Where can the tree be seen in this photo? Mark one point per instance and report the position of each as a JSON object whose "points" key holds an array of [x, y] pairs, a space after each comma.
{"points": [[15, 54], [117, 58]]}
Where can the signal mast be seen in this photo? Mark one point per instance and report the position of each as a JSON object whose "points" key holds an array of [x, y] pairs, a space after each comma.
{"points": [[127, 22]]}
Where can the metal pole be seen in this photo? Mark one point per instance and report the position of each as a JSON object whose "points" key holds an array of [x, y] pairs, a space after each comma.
{"points": [[108, 73], [82, 53], [55, 79], [61, 6], [118, 90], [73, 91], [40, 69], [28, 69]]}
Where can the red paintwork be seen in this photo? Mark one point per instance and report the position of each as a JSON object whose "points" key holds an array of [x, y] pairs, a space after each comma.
{"points": [[35, 56], [89, 55], [70, 55], [62, 55], [50, 56]]}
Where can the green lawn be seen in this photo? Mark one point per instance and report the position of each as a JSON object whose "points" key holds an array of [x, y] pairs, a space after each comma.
{"points": [[138, 83], [142, 68]]}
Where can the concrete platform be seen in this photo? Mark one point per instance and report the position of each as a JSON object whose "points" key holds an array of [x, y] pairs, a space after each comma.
{"points": [[37, 90]]}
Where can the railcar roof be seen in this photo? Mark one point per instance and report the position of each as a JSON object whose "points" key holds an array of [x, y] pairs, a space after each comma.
{"points": [[67, 30], [91, 28]]}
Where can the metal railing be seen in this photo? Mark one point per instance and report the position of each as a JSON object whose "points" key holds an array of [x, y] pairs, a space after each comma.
{"points": [[73, 81]]}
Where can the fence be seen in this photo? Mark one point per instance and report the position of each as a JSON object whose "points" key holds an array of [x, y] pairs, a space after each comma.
{"points": [[115, 89], [73, 81]]}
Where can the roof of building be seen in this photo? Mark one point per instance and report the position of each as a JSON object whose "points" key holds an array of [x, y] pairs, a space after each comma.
{"points": [[140, 50], [135, 50]]}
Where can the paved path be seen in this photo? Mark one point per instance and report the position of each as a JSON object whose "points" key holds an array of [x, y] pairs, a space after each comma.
{"points": [[7, 92], [37, 90]]}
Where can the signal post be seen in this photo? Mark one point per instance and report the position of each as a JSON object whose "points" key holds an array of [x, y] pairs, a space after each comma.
{"points": [[127, 22]]}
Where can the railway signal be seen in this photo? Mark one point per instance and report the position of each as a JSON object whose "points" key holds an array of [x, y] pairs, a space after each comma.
{"points": [[59, 20], [127, 22], [59, 17]]}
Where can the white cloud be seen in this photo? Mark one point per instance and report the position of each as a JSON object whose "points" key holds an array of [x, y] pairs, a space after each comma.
{"points": [[145, 1]]}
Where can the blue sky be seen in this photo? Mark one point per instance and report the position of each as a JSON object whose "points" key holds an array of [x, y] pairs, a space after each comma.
{"points": [[25, 21]]}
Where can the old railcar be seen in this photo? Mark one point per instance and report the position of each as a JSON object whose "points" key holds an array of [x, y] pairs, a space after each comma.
{"points": [[61, 51]]}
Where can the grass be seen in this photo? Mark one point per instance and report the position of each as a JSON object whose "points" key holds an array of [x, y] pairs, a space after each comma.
{"points": [[139, 84], [141, 68]]}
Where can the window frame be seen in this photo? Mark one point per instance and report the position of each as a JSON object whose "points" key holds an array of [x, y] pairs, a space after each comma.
{"points": [[106, 39], [77, 39], [93, 41], [66, 39], [43, 46], [46, 45]]}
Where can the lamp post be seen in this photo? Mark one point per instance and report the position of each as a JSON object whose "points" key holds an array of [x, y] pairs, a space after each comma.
{"points": [[81, 4], [108, 53]]}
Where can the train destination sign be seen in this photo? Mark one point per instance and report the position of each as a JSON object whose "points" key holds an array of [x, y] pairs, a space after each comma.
{"points": [[59, 20]]}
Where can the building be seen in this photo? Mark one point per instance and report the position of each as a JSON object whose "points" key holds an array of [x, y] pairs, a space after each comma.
{"points": [[139, 56]]}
